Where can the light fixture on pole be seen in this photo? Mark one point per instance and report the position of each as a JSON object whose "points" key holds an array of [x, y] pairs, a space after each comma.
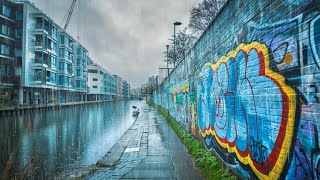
{"points": [[174, 41]]}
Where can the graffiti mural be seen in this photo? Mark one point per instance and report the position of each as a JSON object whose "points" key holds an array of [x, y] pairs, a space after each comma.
{"points": [[193, 109], [315, 39], [229, 93], [179, 99], [253, 92]]}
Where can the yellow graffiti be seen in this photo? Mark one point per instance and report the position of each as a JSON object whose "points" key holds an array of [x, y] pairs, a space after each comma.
{"points": [[181, 88], [287, 90], [193, 118]]}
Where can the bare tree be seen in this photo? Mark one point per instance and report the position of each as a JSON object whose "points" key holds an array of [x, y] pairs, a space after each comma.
{"points": [[184, 42], [202, 14]]}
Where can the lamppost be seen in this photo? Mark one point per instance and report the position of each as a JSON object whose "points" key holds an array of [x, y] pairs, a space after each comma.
{"points": [[167, 68], [174, 41], [168, 59]]}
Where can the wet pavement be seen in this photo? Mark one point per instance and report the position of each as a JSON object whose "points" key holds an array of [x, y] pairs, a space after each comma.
{"points": [[148, 150]]}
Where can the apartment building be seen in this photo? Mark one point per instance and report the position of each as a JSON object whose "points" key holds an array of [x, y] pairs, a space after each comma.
{"points": [[101, 84], [40, 63], [10, 51], [122, 88], [66, 77], [125, 90]]}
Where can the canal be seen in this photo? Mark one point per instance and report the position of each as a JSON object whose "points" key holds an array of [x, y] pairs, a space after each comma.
{"points": [[62, 139]]}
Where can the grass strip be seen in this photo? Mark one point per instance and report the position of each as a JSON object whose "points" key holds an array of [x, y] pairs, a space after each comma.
{"points": [[208, 165], [93, 170]]}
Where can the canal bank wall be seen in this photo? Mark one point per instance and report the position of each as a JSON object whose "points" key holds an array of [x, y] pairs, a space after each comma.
{"points": [[32, 108], [250, 88]]}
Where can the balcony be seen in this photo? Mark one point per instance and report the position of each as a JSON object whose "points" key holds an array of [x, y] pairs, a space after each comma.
{"points": [[64, 71], [68, 47], [50, 81]]}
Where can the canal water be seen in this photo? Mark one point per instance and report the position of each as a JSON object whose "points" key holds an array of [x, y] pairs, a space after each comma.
{"points": [[62, 139]]}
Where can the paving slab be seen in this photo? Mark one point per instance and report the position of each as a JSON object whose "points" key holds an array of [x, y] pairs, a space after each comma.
{"points": [[150, 174]]}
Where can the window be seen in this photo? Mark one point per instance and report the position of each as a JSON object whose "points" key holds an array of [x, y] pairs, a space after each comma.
{"points": [[54, 46], [68, 81], [38, 40], [78, 61], [38, 58], [67, 41], [48, 76], [61, 80], [46, 59], [78, 72], [95, 79], [61, 66], [101, 72], [6, 30], [39, 22], [46, 25], [18, 52], [5, 70], [45, 43], [77, 83], [6, 11], [5, 49], [19, 15], [38, 75], [70, 43], [70, 56], [62, 39], [51, 77], [54, 32], [69, 68], [53, 62], [18, 33], [50, 44], [95, 87], [62, 52], [92, 71], [84, 54]]}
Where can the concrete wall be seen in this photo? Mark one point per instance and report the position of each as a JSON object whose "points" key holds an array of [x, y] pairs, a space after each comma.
{"points": [[250, 88]]}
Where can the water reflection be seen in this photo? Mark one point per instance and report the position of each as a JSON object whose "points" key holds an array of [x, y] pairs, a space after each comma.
{"points": [[64, 138]]}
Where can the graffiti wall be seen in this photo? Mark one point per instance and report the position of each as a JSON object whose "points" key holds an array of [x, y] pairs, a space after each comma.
{"points": [[250, 89]]}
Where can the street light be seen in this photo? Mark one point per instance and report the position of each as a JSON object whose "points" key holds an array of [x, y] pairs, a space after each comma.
{"points": [[174, 41], [167, 59]]}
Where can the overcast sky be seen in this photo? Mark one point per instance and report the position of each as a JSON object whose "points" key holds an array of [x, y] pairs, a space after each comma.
{"points": [[126, 37]]}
